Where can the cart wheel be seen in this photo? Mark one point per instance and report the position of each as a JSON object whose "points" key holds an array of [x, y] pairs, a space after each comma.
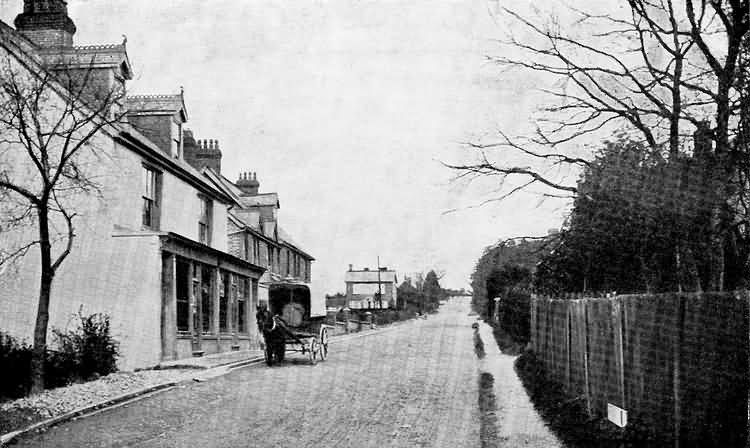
{"points": [[323, 343], [313, 351]]}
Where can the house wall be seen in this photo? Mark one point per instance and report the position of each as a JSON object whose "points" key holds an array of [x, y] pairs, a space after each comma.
{"points": [[103, 274], [236, 244], [359, 293], [115, 265], [180, 212]]}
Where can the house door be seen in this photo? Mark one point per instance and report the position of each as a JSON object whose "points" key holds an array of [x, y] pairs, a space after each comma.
{"points": [[182, 290]]}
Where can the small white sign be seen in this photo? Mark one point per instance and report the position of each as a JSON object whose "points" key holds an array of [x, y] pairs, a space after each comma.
{"points": [[617, 415]]}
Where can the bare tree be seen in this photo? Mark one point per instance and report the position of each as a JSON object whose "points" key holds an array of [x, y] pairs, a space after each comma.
{"points": [[658, 73], [49, 123]]}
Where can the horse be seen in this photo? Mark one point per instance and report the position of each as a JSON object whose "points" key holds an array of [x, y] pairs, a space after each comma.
{"points": [[273, 335]]}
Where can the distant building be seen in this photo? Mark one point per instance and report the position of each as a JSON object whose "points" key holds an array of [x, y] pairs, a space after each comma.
{"points": [[371, 288]]}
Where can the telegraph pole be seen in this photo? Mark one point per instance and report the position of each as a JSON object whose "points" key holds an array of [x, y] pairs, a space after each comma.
{"points": [[380, 296]]}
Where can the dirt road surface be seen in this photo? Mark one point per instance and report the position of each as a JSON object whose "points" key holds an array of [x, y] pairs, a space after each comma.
{"points": [[414, 384]]}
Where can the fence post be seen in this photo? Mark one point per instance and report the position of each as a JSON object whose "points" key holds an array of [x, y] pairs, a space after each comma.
{"points": [[585, 312], [619, 351], [677, 349], [567, 345], [746, 297], [532, 323]]}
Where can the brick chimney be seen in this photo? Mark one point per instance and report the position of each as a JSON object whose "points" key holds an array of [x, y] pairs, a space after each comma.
{"points": [[248, 183], [46, 23], [202, 153]]}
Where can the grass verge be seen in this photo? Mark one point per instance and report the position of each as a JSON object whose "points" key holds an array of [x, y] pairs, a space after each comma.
{"points": [[568, 418], [505, 342]]}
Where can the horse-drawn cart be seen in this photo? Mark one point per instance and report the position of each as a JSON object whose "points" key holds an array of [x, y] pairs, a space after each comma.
{"points": [[288, 325]]}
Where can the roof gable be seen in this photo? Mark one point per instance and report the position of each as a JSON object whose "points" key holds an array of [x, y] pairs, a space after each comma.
{"points": [[113, 56]]}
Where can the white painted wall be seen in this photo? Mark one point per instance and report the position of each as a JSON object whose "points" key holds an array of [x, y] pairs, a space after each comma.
{"points": [[180, 212], [115, 265]]}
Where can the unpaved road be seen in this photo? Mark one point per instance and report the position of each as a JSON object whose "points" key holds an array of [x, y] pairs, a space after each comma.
{"points": [[414, 384]]}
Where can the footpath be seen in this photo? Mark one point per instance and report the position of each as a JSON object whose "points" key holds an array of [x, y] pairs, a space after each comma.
{"points": [[518, 423]]}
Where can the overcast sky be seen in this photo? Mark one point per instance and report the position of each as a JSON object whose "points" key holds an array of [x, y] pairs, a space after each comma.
{"points": [[345, 108]]}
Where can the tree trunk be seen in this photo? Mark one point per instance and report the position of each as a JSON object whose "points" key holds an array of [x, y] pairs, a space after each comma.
{"points": [[42, 315]]}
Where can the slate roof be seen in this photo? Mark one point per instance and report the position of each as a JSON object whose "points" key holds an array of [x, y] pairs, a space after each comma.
{"points": [[157, 103], [261, 200], [94, 56], [370, 276], [286, 239], [258, 200]]}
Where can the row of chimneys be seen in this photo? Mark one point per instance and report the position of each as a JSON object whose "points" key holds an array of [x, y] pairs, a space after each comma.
{"points": [[248, 183], [208, 144], [249, 176]]}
